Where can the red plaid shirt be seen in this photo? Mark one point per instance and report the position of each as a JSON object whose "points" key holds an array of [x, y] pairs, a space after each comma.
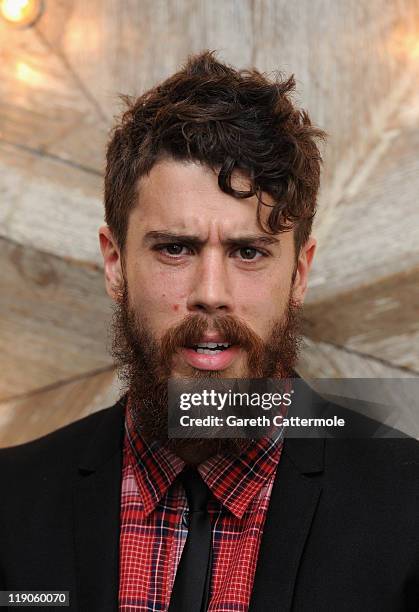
{"points": [[154, 521]]}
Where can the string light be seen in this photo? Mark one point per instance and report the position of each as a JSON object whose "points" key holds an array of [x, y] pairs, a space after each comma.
{"points": [[21, 13]]}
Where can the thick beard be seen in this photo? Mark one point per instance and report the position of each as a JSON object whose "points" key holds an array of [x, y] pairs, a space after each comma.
{"points": [[144, 366]]}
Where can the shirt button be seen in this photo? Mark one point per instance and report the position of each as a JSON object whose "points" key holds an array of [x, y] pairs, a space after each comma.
{"points": [[185, 518]]}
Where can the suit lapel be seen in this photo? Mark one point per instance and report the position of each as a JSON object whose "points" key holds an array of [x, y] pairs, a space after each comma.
{"points": [[292, 507], [96, 516]]}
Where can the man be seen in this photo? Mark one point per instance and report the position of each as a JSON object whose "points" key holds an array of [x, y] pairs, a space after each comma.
{"points": [[210, 192]]}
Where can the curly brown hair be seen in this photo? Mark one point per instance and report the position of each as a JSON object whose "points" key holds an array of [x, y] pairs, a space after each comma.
{"points": [[229, 120]]}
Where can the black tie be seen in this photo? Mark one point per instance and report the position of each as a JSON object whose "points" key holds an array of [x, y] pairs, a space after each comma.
{"points": [[191, 588]]}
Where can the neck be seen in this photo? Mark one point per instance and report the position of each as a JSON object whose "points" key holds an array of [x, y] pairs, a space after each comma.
{"points": [[195, 455]]}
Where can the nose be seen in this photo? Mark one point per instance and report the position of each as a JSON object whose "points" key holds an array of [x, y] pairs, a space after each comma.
{"points": [[211, 290]]}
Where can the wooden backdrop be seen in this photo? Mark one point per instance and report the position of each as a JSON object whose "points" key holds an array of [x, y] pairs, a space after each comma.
{"points": [[356, 65]]}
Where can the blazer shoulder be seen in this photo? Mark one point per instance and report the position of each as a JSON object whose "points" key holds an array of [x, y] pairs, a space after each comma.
{"points": [[60, 447], [386, 464], [379, 442]]}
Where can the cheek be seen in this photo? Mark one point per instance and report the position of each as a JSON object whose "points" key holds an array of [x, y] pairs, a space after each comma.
{"points": [[267, 303], [157, 301], [257, 298], [152, 288]]}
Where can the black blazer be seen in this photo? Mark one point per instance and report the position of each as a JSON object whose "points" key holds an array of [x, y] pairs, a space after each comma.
{"points": [[341, 534]]}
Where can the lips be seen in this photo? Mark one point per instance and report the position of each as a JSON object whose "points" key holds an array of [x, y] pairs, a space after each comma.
{"points": [[217, 361]]}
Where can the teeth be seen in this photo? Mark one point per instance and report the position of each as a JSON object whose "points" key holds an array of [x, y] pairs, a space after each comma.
{"points": [[211, 348], [212, 345]]}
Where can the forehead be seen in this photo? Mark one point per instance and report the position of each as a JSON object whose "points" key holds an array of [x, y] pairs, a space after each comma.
{"points": [[185, 195]]}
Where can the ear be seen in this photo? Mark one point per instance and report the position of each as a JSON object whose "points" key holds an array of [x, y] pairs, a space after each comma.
{"points": [[304, 262], [112, 262]]}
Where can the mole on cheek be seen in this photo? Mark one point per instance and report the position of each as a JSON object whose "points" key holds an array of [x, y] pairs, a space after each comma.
{"points": [[175, 307]]}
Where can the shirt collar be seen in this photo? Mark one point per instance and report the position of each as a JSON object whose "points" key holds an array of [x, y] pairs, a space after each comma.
{"points": [[155, 466], [234, 481]]}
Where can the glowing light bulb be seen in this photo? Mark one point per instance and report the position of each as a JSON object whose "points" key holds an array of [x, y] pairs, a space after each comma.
{"points": [[21, 13], [404, 43]]}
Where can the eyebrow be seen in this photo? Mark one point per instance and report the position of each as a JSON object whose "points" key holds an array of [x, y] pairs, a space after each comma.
{"points": [[196, 241]]}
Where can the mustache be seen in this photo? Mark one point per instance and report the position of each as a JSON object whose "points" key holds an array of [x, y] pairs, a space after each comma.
{"points": [[194, 326], [140, 346]]}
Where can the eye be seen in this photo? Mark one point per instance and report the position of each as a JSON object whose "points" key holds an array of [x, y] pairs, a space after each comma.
{"points": [[248, 253], [173, 250]]}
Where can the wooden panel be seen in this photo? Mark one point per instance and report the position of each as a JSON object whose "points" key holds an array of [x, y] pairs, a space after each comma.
{"points": [[53, 320], [322, 360], [66, 134], [379, 320], [125, 46], [375, 229], [49, 205], [32, 416], [364, 289], [351, 89], [42, 99]]}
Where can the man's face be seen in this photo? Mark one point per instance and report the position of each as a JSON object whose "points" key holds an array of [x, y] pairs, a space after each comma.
{"points": [[198, 269]]}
